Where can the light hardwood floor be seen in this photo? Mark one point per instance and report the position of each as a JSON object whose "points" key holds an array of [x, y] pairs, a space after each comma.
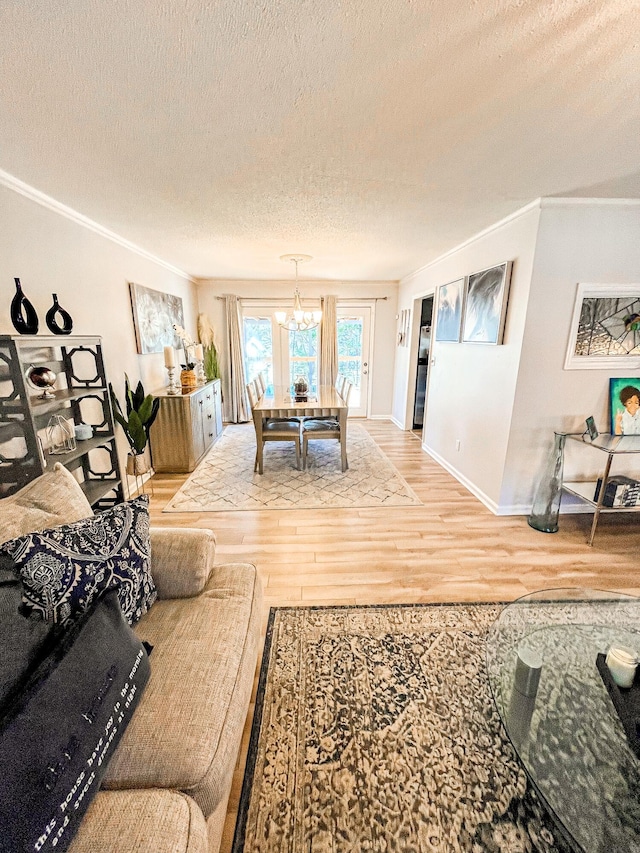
{"points": [[451, 549]]}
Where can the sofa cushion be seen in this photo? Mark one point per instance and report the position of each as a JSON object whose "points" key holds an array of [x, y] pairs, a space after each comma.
{"points": [[51, 499], [151, 821], [63, 569], [188, 727], [175, 548], [61, 724]]}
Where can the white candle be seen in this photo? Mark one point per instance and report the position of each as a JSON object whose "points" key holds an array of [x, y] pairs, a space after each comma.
{"points": [[169, 357], [199, 352], [622, 665]]}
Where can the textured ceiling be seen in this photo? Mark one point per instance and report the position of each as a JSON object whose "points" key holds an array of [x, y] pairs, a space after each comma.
{"points": [[371, 134]]}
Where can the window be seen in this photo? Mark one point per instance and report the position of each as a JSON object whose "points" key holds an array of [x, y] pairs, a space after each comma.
{"points": [[258, 348]]}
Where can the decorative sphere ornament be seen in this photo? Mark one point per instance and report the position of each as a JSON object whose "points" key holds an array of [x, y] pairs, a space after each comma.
{"points": [[42, 378]]}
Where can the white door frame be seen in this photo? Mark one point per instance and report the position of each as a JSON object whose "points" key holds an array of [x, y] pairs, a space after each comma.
{"points": [[413, 359], [369, 306]]}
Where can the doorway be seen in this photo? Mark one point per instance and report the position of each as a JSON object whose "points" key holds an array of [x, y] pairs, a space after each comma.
{"points": [[354, 357], [284, 356], [281, 355], [422, 369]]}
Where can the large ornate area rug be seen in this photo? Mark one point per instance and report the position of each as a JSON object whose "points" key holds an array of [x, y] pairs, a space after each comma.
{"points": [[225, 479], [375, 730]]}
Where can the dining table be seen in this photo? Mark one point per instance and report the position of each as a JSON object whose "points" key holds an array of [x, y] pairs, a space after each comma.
{"points": [[324, 402]]}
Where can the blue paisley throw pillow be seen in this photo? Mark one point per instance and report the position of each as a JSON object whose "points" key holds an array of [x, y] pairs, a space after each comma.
{"points": [[63, 569]]}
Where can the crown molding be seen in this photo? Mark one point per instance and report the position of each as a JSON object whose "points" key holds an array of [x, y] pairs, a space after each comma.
{"points": [[568, 201], [522, 211], [16, 185]]}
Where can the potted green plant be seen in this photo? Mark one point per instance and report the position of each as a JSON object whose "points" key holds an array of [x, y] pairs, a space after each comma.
{"points": [[205, 333], [141, 410]]}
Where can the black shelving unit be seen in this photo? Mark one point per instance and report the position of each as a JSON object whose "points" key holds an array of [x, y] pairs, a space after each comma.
{"points": [[25, 414]]}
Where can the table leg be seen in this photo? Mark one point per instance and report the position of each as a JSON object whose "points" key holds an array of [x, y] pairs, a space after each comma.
{"points": [[603, 486], [342, 420], [257, 422]]}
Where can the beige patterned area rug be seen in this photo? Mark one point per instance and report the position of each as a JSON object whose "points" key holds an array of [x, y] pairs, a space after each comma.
{"points": [[225, 479], [375, 730]]}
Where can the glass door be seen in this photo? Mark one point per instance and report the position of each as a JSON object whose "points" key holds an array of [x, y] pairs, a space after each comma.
{"points": [[300, 357], [283, 356], [354, 360], [258, 347]]}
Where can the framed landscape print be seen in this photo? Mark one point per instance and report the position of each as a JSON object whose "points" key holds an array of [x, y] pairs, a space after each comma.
{"points": [[449, 311], [485, 307], [605, 327], [154, 314], [624, 406]]}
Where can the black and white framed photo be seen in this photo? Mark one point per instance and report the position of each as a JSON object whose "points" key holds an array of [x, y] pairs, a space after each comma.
{"points": [[449, 311], [154, 314], [485, 307]]}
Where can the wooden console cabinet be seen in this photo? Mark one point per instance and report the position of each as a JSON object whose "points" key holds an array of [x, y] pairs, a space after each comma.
{"points": [[186, 427]]}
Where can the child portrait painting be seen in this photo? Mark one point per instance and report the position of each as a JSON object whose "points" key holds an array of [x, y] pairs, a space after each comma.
{"points": [[624, 404]]}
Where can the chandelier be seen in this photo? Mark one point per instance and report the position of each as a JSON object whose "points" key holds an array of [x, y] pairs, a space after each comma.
{"points": [[299, 320]]}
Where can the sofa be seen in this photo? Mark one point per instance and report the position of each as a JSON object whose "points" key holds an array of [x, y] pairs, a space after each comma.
{"points": [[167, 784]]}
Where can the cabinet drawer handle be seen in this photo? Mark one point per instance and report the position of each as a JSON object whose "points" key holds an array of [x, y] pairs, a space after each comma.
{"points": [[210, 435], [209, 416], [208, 396]]}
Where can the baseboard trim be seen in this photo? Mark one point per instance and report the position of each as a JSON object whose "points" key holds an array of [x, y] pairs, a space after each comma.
{"points": [[475, 491], [568, 507], [397, 423]]}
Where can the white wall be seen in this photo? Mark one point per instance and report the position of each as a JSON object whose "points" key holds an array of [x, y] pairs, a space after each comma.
{"points": [[596, 242], [51, 253], [384, 330], [472, 387]]}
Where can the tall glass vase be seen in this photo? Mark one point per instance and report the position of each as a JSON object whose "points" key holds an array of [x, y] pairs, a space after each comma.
{"points": [[546, 503]]}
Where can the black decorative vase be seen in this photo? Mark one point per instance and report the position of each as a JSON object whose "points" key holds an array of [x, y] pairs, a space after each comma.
{"points": [[65, 319], [23, 314]]}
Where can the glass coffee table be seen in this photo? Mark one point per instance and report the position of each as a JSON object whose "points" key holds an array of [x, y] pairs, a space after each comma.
{"points": [[559, 716]]}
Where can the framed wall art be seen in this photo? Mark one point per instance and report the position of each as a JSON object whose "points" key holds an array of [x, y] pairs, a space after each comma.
{"points": [[605, 327], [154, 314], [485, 306], [404, 321], [449, 311], [624, 406]]}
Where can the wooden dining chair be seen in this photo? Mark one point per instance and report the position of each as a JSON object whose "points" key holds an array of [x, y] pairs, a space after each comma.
{"points": [[339, 384], [252, 394], [323, 429], [274, 429], [277, 430], [261, 383]]}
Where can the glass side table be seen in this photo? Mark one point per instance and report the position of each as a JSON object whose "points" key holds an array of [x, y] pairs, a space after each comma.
{"points": [[562, 724], [611, 445]]}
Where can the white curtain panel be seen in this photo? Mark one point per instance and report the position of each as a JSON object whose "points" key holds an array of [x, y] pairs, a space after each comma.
{"points": [[238, 409], [328, 371]]}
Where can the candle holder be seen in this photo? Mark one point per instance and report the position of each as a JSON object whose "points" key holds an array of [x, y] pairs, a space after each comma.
{"points": [[174, 388]]}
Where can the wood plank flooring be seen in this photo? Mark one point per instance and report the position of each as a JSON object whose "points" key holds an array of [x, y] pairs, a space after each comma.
{"points": [[451, 549]]}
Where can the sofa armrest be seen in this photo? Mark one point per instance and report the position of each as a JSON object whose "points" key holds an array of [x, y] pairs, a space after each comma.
{"points": [[181, 560]]}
